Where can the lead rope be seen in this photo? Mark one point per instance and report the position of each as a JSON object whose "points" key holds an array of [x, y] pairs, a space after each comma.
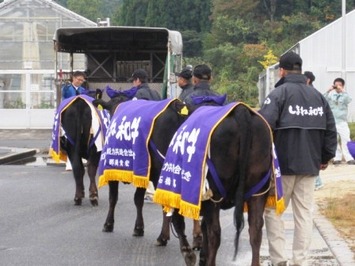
{"points": [[262, 193]]}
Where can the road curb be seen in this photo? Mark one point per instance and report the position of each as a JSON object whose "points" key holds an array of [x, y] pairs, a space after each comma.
{"points": [[335, 242], [8, 154]]}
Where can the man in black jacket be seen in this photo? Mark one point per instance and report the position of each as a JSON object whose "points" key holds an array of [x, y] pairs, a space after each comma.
{"points": [[305, 139], [140, 81], [202, 77], [185, 82]]}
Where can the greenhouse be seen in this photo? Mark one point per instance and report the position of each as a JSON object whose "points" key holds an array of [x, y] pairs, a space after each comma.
{"points": [[27, 84]]}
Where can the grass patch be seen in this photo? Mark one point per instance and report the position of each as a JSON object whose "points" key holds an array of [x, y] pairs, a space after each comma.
{"points": [[341, 213], [352, 130]]}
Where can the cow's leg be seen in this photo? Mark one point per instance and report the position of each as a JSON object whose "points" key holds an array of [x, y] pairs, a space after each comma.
{"points": [[204, 249], [78, 172], [197, 235], [164, 236], [139, 201], [93, 162], [113, 196], [256, 222], [179, 226], [211, 229]]}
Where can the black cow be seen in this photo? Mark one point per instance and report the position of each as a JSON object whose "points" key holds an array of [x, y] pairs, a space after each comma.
{"points": [[164, 128], [241, 152], [78, 143], [76, 122]]}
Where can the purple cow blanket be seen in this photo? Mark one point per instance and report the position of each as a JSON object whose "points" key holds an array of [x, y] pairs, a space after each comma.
{"points": [[184, 170], [125, 156], [100, 121]]}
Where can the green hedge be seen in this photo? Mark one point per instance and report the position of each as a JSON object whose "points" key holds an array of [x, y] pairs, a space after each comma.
{"points": [[352, 130]]}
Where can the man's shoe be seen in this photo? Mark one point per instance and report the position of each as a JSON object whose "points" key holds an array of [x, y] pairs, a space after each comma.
{"points": [[351, 162], [336, 162]]}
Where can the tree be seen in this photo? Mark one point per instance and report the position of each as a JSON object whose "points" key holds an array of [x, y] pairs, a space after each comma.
{"points": [[270, 6], [190, 17], [62, 2], [131, 13], [244, 32], [192, 42], [105, 8], [269, 59], [86, 8], [237, 38]]}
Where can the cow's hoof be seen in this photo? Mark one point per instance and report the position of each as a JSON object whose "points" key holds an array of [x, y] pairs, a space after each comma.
{"points": [[138, 232], [202, 262], [77, 201], [108, 228], [94, 201], [197, 243], [161, 242], [190, 258]]}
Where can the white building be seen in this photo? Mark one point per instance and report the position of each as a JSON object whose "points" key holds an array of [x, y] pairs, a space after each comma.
{"points": [[329, 53], [27, 89]]}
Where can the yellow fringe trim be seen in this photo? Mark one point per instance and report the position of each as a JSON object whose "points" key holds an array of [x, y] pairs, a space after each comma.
{"points": [[63, 157], [102, 181], [54, 155], [245, 208], [168, 199], [189, 210], [166, 209], [140, 181], [278, 205], [57, 157], [271, 202], [115, 175]]}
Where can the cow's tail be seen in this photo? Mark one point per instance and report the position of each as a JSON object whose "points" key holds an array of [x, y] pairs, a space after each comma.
{"points": [[243, 120], [85, 130]]}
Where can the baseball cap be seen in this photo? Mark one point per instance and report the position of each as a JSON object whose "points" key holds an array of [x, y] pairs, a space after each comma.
{"points": [[186, 73], [290, 61], [140, 74], [202, 72]]}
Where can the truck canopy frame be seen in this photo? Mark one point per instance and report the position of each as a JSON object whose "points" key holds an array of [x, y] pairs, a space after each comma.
{"points": [[114, 52], [111, 54]]}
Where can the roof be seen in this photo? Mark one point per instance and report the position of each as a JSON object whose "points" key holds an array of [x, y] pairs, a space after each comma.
{"points": [[7, 4], [80, 40], [26, 33]]}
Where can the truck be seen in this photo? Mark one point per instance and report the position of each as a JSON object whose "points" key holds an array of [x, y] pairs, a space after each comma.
{"points": [[109, 55]]}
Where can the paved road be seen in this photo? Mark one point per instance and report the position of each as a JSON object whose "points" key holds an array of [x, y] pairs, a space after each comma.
{"points": [[39, 224]]}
